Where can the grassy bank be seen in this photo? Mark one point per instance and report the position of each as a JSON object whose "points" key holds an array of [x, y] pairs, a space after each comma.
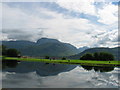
{"points": [[80, 62]]}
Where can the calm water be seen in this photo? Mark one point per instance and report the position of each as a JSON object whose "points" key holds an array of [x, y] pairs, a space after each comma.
{"points": [[44, 75]]}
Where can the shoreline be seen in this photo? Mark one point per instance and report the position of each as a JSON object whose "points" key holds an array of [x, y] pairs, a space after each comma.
{"points": [[74, 62]]}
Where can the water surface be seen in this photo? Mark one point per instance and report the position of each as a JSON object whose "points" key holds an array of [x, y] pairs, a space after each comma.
{"points": [[45, 75]]}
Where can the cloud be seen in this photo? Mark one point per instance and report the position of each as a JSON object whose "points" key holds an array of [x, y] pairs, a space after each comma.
{"points": [[108, 39], [108, 14], [80, 6], [106, 0], [0, 17], [55, 0], [105, 11], [22, 34], [24, 24]]}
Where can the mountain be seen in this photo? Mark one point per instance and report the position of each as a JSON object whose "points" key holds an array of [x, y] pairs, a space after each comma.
{"points": [[46, 40], [83, 48], [114, 51], [42, 47]]}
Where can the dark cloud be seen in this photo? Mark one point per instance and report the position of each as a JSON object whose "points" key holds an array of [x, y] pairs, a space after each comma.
{"points": [[23, 34], [107, 39], [104, 40]]}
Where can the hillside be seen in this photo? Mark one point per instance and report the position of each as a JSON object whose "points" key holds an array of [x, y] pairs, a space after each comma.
{"points": [[83, 49], [42, 47], [114, 51]]}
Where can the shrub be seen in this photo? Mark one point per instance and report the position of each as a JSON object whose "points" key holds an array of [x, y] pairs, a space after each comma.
{"points": [[87, 56], [47, 57], [12, 53], [63, 58]]}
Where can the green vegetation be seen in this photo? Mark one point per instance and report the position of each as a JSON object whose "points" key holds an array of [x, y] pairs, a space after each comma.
{"points": [[114, 51], [87, 59], [3, 49], [47, 57], [99, 56], [12, 53], [9, 52], [87, 56], [63, 58], [80, 62]]}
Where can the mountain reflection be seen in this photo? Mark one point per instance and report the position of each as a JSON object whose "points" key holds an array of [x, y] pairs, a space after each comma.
{"points": [[98, 68], [45, 69], [42, 69]]}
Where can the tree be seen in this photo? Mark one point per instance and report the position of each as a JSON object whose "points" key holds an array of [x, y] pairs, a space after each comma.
{"points": [[106, 56], [12, 53], [47, 57], [4, 50], [63, 58], [96, 56], [87, 56], [101, 56]]}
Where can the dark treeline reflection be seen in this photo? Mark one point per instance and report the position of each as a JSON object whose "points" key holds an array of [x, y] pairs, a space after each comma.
{"points": [[9, 63], [42, 69], [45, 69], [98, 68]]}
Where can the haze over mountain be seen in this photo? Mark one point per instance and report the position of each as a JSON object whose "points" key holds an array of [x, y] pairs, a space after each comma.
{"points": [[81, 49], [44, 46], [114, 51]]}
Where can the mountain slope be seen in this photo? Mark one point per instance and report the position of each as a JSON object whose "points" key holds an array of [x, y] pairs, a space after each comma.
{"points": [[46, 40], [114, 51], [42, 47], [83, 48]]}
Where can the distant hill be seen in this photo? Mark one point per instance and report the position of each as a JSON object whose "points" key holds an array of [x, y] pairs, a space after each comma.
{"points": [[42, 47], [53, 47], [81, 49], [114, 51]]}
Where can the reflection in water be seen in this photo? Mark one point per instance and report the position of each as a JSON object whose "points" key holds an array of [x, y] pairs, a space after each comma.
{"points": [[9, 63], [45, 69], [98, 68], [41, 69], [46, 75]]}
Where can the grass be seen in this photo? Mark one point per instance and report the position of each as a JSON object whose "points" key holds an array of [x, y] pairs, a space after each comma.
{"points": [[80, 62]]}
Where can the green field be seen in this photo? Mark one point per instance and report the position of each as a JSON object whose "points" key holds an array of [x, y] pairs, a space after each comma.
{"points": [[80, 62]]}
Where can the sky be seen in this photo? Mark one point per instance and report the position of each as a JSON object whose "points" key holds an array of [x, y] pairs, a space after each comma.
{"points": [[79, 22]]}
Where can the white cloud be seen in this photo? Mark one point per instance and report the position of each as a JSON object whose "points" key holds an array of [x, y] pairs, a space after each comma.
{"points": [[80, 6], [3, 37], [13, 17], [0, 16], [27, 0], [106, 0], [108, 14], [19, 24], [54, 0], [58, 26], [108, 39]]}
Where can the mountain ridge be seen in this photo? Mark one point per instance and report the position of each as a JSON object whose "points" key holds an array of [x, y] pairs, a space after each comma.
{"points": [[114, 51], [53, 47], [42, 47]]}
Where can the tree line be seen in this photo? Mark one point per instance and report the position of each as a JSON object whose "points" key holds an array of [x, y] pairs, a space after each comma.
{"points": [[99, 56]]}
